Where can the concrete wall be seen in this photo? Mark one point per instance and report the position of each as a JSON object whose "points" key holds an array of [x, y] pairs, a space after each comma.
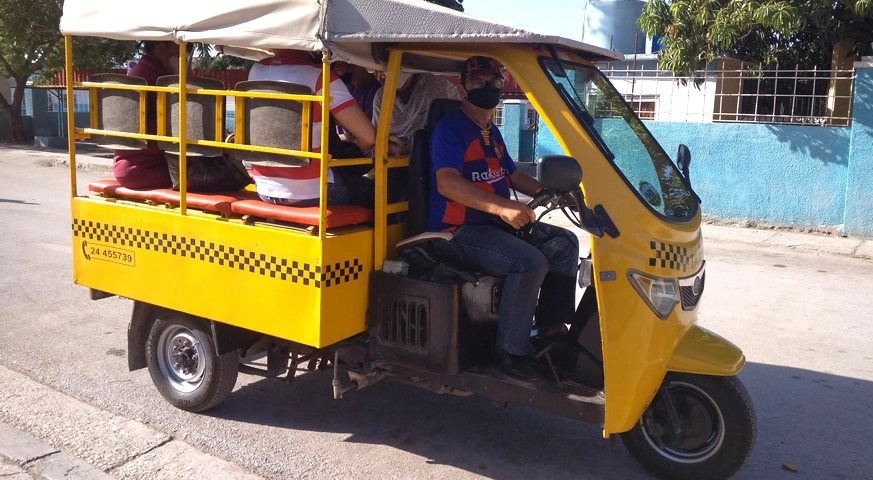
{"points": [[519, 140], [773, 173], [50, 124], [859, 184]]}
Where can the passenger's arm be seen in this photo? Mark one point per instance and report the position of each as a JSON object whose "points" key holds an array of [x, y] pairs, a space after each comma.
{"points": [[377, 107], [525, 184], [352, 118], [453, 186]]}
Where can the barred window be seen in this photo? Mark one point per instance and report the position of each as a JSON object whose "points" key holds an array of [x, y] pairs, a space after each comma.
{"points": [[498, 115], [532, 118], [58, 101]]}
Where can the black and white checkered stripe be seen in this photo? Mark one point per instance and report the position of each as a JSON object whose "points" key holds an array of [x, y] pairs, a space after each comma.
{"points": [[231, 257]]}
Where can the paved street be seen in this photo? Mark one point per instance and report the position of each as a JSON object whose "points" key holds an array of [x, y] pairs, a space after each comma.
{"points": [[804, 319]]}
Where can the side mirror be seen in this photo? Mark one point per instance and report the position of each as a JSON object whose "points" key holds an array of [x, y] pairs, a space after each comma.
{"points": [[559, 172], [683, 159]]}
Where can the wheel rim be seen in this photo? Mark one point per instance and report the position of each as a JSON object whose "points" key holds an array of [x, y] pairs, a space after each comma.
{"points": [[181, 358], [703, 427]]}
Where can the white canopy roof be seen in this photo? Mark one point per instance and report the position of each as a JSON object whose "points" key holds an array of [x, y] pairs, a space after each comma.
{"points": [[346, 28]]}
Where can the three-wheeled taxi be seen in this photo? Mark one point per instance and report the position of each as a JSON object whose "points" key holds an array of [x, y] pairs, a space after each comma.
{"points": [[224, 283]]}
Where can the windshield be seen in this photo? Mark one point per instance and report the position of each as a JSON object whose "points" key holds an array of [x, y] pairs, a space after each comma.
{"points": [[622, 138]]}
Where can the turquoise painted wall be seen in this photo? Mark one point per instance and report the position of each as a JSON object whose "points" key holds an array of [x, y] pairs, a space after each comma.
{"points": [[859, 185], [511, 128], [773, 173], [519, 140], [782, 174]]}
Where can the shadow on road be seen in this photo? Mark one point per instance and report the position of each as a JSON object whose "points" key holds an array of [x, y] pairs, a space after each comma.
{"points": [[467, 433], [20, 202], [808, 419]]}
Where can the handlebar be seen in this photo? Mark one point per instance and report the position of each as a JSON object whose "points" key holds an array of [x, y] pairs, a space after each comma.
{"points": [[542, 198], [585, 220]]}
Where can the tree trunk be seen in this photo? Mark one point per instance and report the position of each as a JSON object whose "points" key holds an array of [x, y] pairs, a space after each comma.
{"points": [[839, 104], [13, 111]]}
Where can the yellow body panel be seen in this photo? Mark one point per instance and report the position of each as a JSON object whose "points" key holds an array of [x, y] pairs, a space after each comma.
{"points": [[277, 281], [637, 346], [703, 352]]}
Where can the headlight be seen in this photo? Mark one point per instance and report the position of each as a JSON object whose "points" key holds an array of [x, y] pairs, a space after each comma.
{"points": [[660, 294]]}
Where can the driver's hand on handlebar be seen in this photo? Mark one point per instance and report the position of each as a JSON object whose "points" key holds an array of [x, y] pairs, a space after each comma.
{"points": [[517, 214]]}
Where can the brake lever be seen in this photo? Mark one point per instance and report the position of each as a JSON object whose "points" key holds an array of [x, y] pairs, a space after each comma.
{"points": [[586, 216]]}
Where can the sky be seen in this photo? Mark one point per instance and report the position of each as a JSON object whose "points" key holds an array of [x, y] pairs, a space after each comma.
{"points": [[555, 17]]}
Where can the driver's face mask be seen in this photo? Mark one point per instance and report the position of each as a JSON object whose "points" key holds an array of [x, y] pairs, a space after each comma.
{"points": [[486, 97]]}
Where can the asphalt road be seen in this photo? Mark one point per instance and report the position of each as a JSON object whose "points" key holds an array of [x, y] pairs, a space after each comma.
{"points": [[803, 319]]}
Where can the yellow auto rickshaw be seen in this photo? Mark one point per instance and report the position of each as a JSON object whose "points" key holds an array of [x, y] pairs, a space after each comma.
{"points": [[221, 279]]}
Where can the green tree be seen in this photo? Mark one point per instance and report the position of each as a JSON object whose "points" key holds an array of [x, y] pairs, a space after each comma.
{"points": [[806, 33], [31, 43]]}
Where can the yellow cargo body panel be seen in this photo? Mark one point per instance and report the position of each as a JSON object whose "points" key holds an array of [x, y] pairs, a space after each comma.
{"points": [[272, 280]]}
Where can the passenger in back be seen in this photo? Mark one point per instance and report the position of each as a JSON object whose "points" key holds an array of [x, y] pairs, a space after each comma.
{"points": [[361, 84], [153, 167], [299, 186], [415, 92], [147, 168]]}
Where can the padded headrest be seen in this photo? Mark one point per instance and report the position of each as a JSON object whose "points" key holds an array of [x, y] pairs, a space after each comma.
{"points": [[273, 122], [439, 108], [118, 110]]}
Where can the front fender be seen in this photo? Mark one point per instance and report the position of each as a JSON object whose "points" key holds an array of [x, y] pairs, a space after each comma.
{"points": [[703, 352]]}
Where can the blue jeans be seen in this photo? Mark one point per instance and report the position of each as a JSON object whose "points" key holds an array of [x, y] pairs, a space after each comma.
{"points": [[549, 270], [339, 192]]}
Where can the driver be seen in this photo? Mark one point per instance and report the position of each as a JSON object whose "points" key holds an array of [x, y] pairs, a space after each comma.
{"points": [[471, 179]]}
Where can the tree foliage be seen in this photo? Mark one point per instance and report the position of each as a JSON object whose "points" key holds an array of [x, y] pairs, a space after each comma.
{"points": [[31, 43], [788, 32]]}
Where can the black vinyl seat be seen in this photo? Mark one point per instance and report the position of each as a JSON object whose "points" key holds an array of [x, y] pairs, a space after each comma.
{"points": [[418, 249], [420, 166]]}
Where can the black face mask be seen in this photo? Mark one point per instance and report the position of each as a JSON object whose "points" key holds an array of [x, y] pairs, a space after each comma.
{"points": [[485, 97], [346, 77]]}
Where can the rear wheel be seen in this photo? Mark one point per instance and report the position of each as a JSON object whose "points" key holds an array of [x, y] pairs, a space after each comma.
{"points": [[697, 427], [184, 365]]}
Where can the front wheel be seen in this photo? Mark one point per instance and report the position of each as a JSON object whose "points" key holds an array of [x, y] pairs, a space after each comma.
{"points": [[697, 427], [184, 365]]}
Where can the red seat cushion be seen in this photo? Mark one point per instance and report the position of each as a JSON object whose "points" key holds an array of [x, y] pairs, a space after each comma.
{"points": [[337, 215], [214, 202], [106, 185]]}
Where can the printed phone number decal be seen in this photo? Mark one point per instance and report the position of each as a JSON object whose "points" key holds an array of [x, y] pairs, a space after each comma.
{"points": [[96, 251]]}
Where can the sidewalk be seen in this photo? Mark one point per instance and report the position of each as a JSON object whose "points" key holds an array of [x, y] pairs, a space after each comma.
{"points": [[774, 237], [47, 434]]}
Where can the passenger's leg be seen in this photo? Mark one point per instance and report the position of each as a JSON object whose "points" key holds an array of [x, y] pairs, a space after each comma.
{"points": [[350, 190], [524, 267], [557, 301], [290, 202]]}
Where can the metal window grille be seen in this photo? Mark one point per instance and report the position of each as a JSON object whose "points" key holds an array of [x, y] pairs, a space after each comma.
{"points": [[498, 115], [532, 118], [748, 95], [58, 101]]}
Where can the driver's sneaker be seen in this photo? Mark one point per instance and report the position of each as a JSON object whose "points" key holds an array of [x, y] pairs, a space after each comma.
{"points": [[515, 366]]}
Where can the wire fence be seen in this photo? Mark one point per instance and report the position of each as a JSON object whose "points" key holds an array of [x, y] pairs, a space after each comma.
{"points": [[749, 95]]}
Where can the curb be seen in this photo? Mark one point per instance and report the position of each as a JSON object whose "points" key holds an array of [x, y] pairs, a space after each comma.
{"points": [[39, 424], [40, 460]]}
